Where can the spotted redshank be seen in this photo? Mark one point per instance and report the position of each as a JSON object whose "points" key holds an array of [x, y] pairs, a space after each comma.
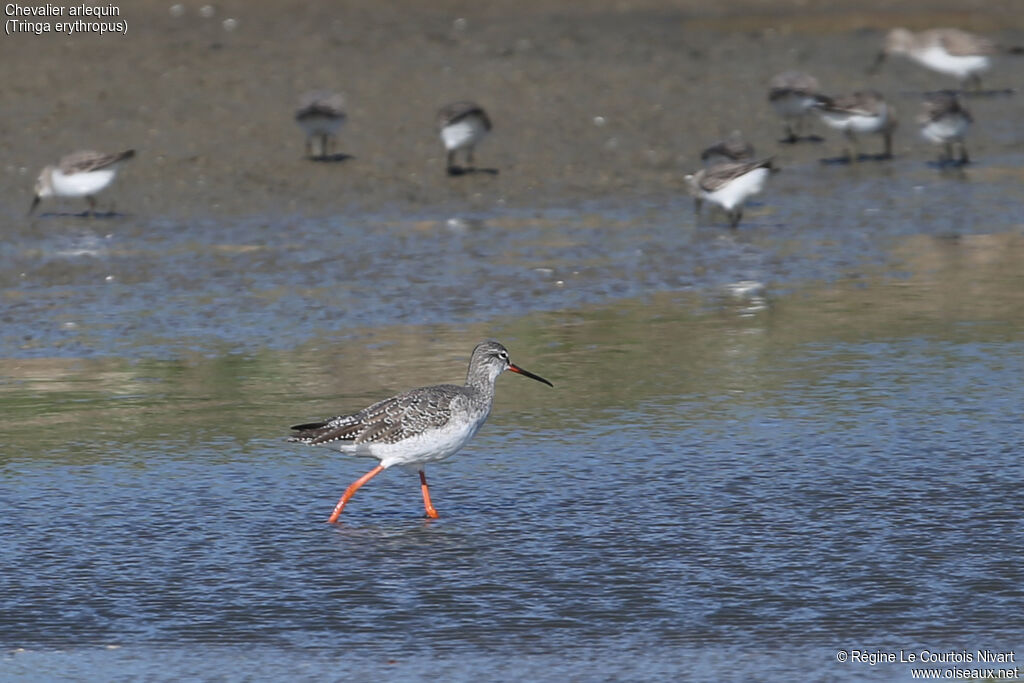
{"points": [[417, 427], [81, 174]]}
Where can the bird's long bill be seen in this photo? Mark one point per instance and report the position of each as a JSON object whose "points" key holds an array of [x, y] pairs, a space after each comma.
{"points": [[877, 64], [35, 203], [527, 373]]}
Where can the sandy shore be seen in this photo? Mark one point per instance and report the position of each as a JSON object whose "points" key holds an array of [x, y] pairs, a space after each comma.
{"points": [[590, 99]]}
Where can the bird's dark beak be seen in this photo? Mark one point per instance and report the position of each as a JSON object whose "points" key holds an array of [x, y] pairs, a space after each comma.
{"points": [[35, 203], [876, 65], [527, 373]]}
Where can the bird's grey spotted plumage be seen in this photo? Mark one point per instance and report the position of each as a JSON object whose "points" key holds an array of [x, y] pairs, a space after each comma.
{"points": [[389, 421], [419, 426]]}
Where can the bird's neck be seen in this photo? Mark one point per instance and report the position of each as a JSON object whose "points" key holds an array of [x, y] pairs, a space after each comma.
{"points": [[481, 384]]}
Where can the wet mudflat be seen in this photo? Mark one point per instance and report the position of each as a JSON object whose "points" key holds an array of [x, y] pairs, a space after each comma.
{"points": [[823, 460], [763, 445]]}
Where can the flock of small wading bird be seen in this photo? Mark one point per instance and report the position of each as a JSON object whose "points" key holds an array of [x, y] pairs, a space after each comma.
{"points": [[430, 424], [731, 174]]}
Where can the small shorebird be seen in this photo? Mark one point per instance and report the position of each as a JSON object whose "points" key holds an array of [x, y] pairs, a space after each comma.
{"points": [[417, 427], [793, 94], [733, 148], [320, 114], [81, 174], [862, 112], [945, 121], [729, 185], [946, 50], [462, 126]]}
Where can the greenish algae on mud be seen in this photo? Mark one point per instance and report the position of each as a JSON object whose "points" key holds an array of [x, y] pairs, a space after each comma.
{"points": [[666, 347]]}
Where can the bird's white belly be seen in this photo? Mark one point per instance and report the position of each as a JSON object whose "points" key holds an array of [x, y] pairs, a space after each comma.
{"points": [[961, 66], [945, 130], [430, 446], [81, 184], [792, 105], [464, 133], [737, 191], [855, 123]]}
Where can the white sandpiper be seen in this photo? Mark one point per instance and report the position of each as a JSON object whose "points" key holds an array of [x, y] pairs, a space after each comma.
{"points": [[944, 121], [728, 185], [81, 174], [948, 51], [320, 114], [417, 427], [792, 94], [865, 111], [462, 125]]}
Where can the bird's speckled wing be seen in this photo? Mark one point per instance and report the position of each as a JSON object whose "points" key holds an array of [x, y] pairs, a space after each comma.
{"points": [[455, 112], [722, 174], [314, 104], [963, 44], [733, 148], [859, 103], [84, 162], [387, 421], [792, 83], [941, 105]]}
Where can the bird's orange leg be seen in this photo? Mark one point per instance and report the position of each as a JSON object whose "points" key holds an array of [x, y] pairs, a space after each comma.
{"points": [[427, 505], [350, 491]]}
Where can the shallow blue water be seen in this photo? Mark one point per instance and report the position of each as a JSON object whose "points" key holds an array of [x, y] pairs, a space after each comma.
{"points": [[874, 504], [133, 286], [722, 485]]}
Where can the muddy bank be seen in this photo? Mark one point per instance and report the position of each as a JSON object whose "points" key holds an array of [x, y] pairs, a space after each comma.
{"points": [[590, 100]]}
